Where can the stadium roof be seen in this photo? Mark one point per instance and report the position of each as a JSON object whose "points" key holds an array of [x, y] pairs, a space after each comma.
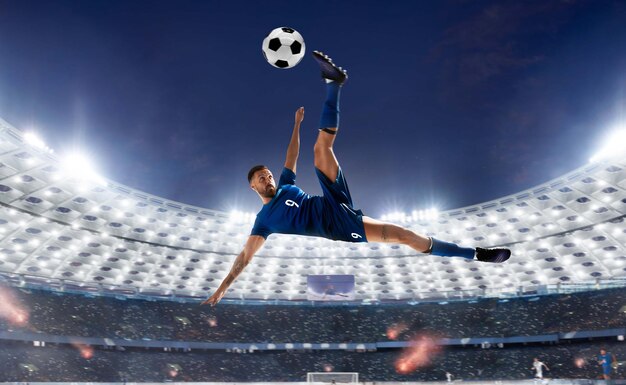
{"points": [[59, 228]]}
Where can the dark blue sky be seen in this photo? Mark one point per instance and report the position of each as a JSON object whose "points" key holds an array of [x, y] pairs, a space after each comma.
{"points": [[449, 103]]}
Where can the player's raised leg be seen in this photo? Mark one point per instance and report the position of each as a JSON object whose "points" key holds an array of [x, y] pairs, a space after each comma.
{"points": [[378, 231], [323, 155], [335, 77]]}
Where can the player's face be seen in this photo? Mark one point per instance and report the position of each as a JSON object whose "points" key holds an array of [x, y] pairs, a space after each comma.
{"points": [[263, 183]]}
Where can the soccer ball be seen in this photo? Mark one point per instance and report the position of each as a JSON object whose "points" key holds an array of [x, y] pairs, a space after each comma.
{"points": [[283, 47]]}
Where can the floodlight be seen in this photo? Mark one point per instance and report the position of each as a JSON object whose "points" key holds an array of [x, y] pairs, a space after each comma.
{"points": [[78, 166], [35, 141], [613, 146]]}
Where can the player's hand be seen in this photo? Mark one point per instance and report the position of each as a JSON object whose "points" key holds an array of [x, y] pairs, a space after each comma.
{"points": [[299, 115], [214, 299]]}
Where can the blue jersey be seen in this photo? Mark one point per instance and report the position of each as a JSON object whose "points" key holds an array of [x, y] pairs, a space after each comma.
{"points": [[606, 360], [292, 211]]}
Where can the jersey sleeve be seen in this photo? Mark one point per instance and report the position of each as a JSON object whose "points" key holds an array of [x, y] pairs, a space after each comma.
{"points": [[287, 177], [260, 229]]}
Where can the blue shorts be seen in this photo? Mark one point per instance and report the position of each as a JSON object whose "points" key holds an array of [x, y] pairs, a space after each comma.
{"points": [[349, 221]]}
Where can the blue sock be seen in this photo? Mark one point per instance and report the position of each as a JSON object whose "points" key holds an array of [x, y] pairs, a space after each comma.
{"points": [[447, 249], [330, 110]]}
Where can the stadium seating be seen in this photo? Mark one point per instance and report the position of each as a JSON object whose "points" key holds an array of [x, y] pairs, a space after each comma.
{"points": [[77, 315]]}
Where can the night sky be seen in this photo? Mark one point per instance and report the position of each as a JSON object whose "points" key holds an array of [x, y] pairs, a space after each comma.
{"points": [[449, 103]]}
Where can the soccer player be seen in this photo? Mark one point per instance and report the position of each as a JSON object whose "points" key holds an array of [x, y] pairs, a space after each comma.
{"points": [[289, 210], [605, 360], [538, 367]]}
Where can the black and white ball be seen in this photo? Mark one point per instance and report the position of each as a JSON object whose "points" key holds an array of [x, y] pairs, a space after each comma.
{"points": [[283, 47]]}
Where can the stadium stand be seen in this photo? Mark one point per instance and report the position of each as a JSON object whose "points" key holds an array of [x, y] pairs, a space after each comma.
{"points": [[21, 361], [133, 319]]}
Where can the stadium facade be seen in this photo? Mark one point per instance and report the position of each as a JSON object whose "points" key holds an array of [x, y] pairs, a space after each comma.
{"points": [[65, 231]]}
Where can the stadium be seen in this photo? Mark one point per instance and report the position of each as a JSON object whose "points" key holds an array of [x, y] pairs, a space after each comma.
{"points": [[105, 280], [102, 284]]}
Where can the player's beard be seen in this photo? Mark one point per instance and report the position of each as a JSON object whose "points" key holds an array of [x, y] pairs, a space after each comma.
{"points": [[269, 192]]}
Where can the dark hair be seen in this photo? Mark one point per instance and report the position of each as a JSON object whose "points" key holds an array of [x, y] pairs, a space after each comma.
{"points": [[255, 169]]}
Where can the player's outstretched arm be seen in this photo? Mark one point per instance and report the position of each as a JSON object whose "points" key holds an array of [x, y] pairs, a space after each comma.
{"points": [[253, 245], [293, 150]]}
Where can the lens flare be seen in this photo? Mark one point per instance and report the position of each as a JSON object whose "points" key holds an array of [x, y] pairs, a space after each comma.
{"points": [[579, 362], [423, 350], [86, 351], [11, 310], [394, 331]]}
